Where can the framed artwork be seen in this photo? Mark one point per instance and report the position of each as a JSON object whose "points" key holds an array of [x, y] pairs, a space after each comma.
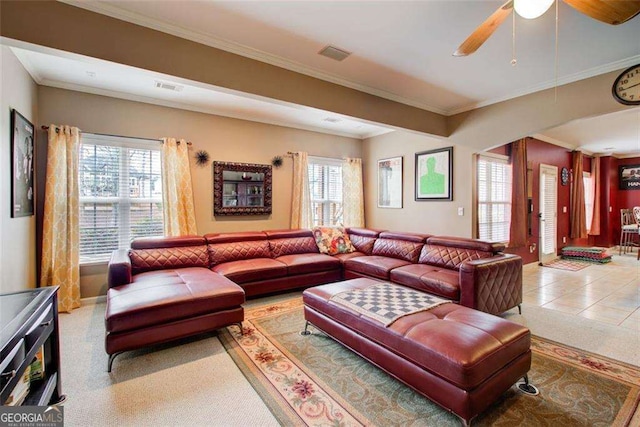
{"points": [[629, 177], [22, 164], [390, 183], [434, 174]]}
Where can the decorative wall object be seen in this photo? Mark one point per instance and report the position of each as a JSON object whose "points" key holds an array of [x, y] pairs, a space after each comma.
{"points": [[22, 164], [241, 189], [434, 174], [629, 177], [277, 161], [202, 158], [390, 183]]}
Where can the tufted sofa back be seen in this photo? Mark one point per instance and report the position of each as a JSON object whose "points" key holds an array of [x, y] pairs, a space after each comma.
{"points": [[363, 238], [289, 242], [404, 246], [225, 247], [451, 252], [164, 253]]}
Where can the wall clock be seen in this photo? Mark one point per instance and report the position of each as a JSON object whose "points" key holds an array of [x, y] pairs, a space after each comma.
{"points": [[626, 88], [564, 176]]}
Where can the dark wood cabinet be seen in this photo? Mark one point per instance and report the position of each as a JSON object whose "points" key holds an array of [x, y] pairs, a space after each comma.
{"points": [[28, 326]]}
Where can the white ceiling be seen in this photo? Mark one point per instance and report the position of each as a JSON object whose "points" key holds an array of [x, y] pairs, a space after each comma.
{"points": [[81, 73], [617, 133], [401, 51]]}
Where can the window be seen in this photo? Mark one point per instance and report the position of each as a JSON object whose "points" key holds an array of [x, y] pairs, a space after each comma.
{"points": [[120, 188], [325, 182], [494, 197], [588, 198]]}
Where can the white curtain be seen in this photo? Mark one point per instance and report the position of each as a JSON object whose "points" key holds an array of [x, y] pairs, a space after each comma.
{"points": [[177, 192], [61, 230], [352, 193], [301, 197]]}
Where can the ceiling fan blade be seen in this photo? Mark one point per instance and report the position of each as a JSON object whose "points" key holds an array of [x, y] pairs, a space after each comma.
{"points": [[612, 12], [484, 31]]}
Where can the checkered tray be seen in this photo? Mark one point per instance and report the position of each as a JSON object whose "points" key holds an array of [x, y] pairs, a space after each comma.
{"points": [[387, 302]]}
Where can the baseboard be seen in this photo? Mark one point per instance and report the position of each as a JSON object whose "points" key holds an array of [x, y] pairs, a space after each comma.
{"points": [[93, 300]]}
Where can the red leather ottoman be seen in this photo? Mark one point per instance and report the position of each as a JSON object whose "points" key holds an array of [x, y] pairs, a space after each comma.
{"points": [[460, 358]]}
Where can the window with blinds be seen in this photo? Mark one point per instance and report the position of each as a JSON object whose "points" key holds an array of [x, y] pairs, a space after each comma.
{"points": [[325, 182], [494, 198], [120, 186]]}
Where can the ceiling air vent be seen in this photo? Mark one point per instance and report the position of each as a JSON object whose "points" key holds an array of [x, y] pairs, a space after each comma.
{"points": [[169, 86], [334, 53]]}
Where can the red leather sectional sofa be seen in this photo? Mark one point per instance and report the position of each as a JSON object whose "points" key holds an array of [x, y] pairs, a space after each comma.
{"points": [[163, 289]]}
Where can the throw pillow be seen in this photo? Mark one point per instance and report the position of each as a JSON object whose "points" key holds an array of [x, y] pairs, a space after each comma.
{"points": [[332, 240]]}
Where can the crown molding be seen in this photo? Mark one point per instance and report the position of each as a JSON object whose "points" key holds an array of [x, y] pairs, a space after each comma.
{"points": [[187, 107], [592, 72], [256, 54], [587, 152], [26, 63], [243, 50], [554, 141]]}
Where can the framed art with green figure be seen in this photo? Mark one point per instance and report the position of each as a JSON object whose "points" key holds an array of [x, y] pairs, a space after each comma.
{"points": [[434, 174]]}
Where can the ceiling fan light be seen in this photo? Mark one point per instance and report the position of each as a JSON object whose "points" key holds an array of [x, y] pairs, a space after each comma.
{"points": [[531, 9]]}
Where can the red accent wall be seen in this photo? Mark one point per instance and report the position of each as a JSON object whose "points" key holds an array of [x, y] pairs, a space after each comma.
{"points": [[612, 199], [540, 152], [628, 198]]}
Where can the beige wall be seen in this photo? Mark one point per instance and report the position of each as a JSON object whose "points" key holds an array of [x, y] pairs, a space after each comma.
{"points": [[17, 235], [433, 217], [507, 121], [223, 138]]}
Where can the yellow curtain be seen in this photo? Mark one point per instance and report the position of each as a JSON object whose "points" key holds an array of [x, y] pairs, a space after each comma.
{"points": [[61, 232], [594, 228], [518, 227], [352, 193], [577, 217], [301, 196], [177, 192]]}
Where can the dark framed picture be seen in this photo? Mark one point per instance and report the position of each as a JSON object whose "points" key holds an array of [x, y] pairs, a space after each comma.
{"points": [[629, 177], [434, 174], [390, 183], [22, 164]]}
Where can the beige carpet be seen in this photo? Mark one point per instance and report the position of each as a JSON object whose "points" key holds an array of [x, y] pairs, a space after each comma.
{"points": [[196, 383]]}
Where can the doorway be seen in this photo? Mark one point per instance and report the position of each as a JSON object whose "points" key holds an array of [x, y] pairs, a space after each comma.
{"points": [[548, 213]]}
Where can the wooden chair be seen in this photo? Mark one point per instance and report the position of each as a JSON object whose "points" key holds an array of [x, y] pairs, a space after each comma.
{"points": [[628, 230], [636, 216]]}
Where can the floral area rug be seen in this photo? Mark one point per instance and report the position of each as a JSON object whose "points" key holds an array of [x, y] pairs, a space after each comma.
{"points": [[566, 264], [313, 380]]}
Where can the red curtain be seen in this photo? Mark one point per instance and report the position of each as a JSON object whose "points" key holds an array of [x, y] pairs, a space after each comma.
{"points": [[594, 230], [518, 227], [577, 215]]}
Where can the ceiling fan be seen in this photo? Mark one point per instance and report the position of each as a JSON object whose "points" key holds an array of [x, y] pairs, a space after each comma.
{"points": [[612, 12]]}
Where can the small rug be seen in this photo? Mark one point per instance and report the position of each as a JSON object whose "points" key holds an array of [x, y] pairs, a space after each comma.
{"points": [[567, 264], [593, 254], [314, 380], [387, 302]]}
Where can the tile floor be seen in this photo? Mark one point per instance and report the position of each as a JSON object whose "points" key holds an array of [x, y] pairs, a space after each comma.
{"points": [[607, 293]]}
